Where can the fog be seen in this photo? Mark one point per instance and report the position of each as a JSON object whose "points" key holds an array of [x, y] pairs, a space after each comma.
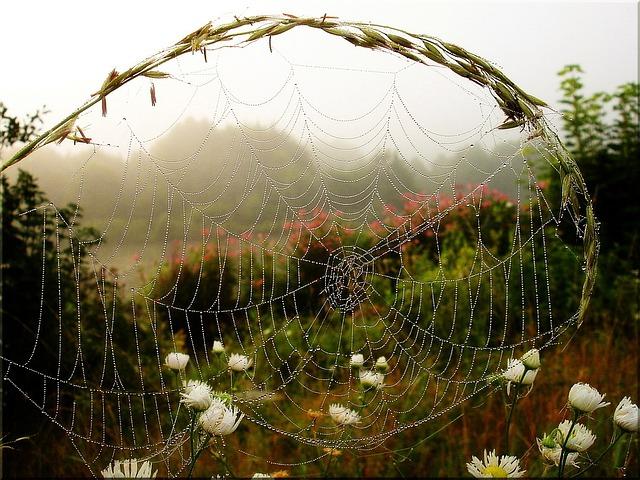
{"points": [[252, 137]]}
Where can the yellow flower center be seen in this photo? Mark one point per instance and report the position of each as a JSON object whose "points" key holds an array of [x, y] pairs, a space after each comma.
{"points": [[495, 471]]}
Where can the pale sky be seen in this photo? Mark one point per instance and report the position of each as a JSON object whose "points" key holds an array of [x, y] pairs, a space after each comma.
{"points": [[58, 53]]}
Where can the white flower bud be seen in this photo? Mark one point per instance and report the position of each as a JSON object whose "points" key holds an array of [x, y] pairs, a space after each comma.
{"points": [[220, 419], [217, 347], [343, 415], [581, 437], [239, 363], [176, 360], [515, 373], [382, 365], [551, 454], [370, 378], [626, 415], [531, 359], [197, 395], [357, 360], [585, 399]]}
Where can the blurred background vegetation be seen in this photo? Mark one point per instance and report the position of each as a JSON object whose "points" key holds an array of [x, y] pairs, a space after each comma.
{"points": [[602, 133]]}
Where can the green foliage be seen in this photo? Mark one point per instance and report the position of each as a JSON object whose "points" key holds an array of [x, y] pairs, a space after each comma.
{"points": [[13, 130], [57, 323], [48, 286], [602, 132], [32, 304]]}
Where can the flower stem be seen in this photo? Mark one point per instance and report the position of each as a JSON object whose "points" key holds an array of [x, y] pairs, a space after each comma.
{"points": [[200, 449], [615, 440], [216, 364], [326, 469], [564, 454], [178, 380], [508, 425], [191, 435], [511, 410], [225, 464]]}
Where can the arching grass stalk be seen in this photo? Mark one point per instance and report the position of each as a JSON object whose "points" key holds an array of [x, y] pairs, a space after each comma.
{"points": [[6, 444], [614, 440], [518, 106]]}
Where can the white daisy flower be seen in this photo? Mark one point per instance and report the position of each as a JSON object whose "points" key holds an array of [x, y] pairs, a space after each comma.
{"points": [[357, 360], [531, 359], [196, 395], [218, 347], [584, 398], [129, 469], [382, 365], [343, 415], [581, 437], [239, 363], [189, 385], [176, 360], [551, 454], [369, 378], [220, 419], [626, 415], [517, 373], [494, 466]]}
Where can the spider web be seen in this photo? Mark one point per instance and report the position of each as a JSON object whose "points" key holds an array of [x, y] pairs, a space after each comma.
{"points": [[301, 206]]}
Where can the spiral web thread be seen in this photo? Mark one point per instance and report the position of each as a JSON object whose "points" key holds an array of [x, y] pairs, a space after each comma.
{"points": [[293, 243]]}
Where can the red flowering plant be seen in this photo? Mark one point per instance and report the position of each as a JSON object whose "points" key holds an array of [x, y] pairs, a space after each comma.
{"points": [[470, 214], [197, 280]]}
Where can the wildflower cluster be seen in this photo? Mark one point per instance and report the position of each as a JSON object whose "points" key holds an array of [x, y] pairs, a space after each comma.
{"points": [[519, 372], [567, 442], [522, 371], [370, 378], [571, 439], [211, 413], [216, 416]]}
